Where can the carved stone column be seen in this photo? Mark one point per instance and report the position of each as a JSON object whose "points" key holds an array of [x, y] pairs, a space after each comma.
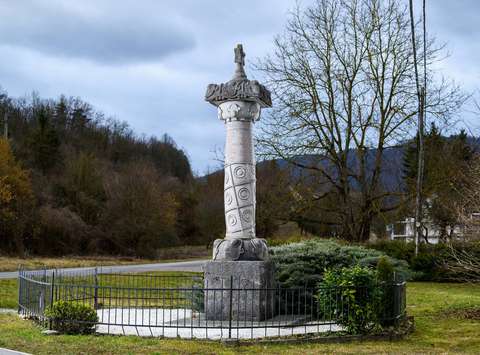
{"points": [[239, 103], [239, 257], [239, 168], [240, 242]]}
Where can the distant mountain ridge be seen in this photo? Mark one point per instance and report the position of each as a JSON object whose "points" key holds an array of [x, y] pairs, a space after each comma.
{"points": [[391, 177]]}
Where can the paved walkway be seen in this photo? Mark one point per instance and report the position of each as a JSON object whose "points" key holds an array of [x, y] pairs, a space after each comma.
{"points": [[195, 265], [183, 323], [11, 352]]}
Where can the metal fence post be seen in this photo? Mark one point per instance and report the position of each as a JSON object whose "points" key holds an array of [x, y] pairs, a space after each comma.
{"points": [[396, 302], [52, 298], [95, 291], [230, 309], [20, 288]]}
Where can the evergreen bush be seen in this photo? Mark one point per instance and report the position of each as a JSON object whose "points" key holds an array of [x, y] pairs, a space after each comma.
{"points": [[385, 270], [303, 264], [386, 278], [198, 298], [430, 263], [72, 317], [353, 298]]}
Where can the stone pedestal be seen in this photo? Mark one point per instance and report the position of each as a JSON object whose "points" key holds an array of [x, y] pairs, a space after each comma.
{"points": [[239, 290]]}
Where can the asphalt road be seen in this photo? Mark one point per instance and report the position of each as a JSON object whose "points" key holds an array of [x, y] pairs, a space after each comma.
{"points": [[195, 265]]}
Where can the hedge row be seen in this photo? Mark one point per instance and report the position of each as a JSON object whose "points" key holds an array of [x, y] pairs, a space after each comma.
{"points": [[431, 262]]}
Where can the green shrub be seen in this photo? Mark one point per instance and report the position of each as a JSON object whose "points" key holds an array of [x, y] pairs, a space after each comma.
{"points": [[395, 248], [303, 264], [198, 298], [71, 317], [385, 270], [386, 277], [430, 263], [401, 269], [353, 298], [273, 242]]}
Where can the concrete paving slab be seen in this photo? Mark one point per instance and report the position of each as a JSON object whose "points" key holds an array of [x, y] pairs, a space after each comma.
{"points": [[183, 323], [11, 352]]}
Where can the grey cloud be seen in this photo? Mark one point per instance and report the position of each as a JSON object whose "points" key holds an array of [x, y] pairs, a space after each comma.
{"points": [[173, 49], [454, 18], [116, 38]]}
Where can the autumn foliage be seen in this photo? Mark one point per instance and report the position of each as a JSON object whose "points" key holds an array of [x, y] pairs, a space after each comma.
{"points": [[16, 201]]}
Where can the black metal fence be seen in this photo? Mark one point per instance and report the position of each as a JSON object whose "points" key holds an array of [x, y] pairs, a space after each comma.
{"points": [[183, 306]]}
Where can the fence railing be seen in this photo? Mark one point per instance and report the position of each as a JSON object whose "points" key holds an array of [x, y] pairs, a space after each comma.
{"points": [[184, 306]]}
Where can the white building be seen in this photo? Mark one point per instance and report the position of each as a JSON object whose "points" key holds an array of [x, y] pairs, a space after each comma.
{"points": [[404, 230]]}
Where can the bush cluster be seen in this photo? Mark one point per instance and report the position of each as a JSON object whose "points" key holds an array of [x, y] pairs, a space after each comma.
{"points": [[431, 262], [303, 264], [353, 298], [71, 317]]}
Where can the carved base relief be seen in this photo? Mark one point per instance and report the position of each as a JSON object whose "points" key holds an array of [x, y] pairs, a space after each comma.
{"points": [[240, 249]]}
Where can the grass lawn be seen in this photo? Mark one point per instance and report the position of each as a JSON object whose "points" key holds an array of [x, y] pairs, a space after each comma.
{"points": [[8, 293], [164, 255], [442, 326]]}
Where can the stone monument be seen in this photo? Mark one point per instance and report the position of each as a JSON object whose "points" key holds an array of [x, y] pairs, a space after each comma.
{"points": [[240, 260]]}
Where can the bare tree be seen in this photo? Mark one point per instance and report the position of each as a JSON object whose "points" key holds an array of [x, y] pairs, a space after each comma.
{"points": [[342, 77], [463, 257], [464, 264], [476, 105], [467, 207]]}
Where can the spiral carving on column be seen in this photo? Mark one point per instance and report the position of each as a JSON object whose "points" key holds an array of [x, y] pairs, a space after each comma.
{"points": [[240, 172], [240, 200], [247, 216], [243, 193]]}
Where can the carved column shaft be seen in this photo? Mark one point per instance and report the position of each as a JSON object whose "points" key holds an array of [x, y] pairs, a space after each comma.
{"points": [[239, 168]]}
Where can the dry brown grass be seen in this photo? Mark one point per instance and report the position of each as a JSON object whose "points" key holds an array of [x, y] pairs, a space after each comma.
{"points": [[8, 263]]}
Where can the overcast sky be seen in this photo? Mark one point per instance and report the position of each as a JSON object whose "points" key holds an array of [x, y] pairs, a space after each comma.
{"points": [[148, 62]]}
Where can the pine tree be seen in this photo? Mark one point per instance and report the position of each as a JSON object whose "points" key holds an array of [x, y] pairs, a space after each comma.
{"points": [[44, 141], [61, 114]]}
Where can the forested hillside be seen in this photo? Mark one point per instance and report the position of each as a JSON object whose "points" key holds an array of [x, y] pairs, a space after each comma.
{"points": [[73, 181]]}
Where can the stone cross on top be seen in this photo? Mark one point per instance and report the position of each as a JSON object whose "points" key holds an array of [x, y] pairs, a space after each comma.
{"points": [[239, 55], [240, 60]]}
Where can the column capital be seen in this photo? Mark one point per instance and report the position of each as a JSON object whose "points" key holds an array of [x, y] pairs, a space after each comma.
{"points": [[239, 111], [239, 88]]}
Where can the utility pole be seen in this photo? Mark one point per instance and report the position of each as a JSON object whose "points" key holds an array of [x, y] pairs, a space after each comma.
{"points": [[420, 170], [418, 230]]}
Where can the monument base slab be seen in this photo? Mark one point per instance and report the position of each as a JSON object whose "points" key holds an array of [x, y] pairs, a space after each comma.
{"points": [[239, 290]]}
